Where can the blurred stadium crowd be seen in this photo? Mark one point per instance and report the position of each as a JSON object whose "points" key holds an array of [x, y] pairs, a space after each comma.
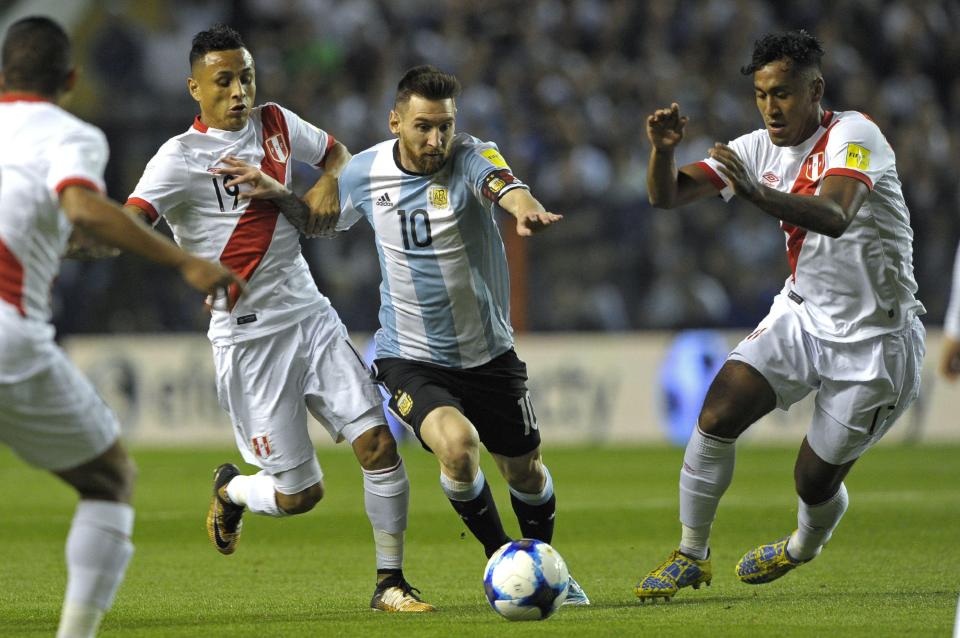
{"points": [[564, 87]]}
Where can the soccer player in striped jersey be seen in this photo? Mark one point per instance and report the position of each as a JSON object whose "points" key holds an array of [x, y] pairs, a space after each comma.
{"points": [[51, 185], [844, 326], [445, 348], [280, 350]]}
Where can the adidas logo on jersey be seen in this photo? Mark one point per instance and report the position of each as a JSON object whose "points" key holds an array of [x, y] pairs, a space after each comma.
{"points": [[384, 200]]}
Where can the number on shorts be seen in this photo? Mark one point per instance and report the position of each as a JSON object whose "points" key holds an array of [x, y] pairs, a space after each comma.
{"points": [[529, 416]]}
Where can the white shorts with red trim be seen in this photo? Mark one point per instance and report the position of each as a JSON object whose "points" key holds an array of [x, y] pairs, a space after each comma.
{"points": [[54, 419], [862, 387], [268, 384]]}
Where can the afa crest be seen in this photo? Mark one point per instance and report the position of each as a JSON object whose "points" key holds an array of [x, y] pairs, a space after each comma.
{"points": [[404, 404], [439, 197]]}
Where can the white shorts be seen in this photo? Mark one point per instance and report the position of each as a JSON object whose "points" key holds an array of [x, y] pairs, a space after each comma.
{"points": [[268, 384], [862, 387], [54, 419]]}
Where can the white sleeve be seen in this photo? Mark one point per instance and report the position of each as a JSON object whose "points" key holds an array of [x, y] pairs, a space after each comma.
{"points": [[80, 158], [951, 322], [857, 149], [161, 186], [308, 143], [745, 147]]}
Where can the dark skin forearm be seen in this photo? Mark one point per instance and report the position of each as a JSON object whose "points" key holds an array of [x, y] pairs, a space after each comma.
{"points": [[828, 213]]}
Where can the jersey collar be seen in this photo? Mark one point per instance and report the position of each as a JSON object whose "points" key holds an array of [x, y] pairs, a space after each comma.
{"points": [[22, 96]]}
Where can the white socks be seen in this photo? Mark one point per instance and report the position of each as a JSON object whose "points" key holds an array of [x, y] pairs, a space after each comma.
{"points": [[98, 550], [386, 497], [257, 493], [706, 474], [815, 524], [537, 498], [463, 490]]}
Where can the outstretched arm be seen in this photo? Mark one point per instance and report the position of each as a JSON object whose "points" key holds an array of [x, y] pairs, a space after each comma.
{"points": [[668, 187], [828, 213], [106, 222], [531, 216]]}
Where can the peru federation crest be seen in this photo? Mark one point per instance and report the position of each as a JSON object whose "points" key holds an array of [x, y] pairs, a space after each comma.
{"points": [[277, 148]]}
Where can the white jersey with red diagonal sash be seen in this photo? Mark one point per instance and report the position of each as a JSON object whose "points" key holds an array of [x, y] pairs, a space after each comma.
{"points": [[43, 149], [251, 237], [858, 285]]}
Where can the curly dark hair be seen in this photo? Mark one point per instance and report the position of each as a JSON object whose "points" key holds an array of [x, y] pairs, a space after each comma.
{"points": [[218, 38], [427, 81], [36, 56], [799, 46]]}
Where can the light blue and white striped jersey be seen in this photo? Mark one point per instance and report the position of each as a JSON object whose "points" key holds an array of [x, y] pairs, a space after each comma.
{"points": [[445, 293]]}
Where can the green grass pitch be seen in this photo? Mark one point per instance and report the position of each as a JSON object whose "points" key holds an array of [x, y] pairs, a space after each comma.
{"points": [[892, 569]]}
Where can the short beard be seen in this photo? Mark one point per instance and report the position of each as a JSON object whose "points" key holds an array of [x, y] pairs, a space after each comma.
{"points": [[427, 164]]}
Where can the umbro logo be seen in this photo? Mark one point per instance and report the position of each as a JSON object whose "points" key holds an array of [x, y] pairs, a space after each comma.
{"points": [[384, 200]]}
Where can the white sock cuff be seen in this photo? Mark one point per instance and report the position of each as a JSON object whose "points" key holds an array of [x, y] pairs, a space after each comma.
{"points": [[392, 481], [462, 490], [839, 500], [109, 515], [262, 496], [540, 497], [710, 442]]}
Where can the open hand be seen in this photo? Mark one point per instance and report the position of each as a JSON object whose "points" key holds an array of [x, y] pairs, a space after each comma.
{"points": [[534, 222]]}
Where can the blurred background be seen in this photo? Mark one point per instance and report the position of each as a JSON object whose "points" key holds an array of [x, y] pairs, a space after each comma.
{"points": [[564, 87]]}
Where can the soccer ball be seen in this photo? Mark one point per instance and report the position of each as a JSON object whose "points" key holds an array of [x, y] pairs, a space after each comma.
{"points": [[526, 580]]}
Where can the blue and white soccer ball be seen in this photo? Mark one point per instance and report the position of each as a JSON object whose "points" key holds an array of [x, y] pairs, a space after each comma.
{"points": [[526, 580]]}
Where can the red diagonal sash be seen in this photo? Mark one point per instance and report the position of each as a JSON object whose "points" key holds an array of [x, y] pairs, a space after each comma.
{"points": [[254, 230]]}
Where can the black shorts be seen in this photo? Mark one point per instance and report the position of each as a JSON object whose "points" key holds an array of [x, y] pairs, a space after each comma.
{"points": [[493, 397]]}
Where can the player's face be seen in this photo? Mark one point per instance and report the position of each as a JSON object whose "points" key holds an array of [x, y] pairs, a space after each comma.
{"points": [[426, 129], [224, 83], [789, 102]]}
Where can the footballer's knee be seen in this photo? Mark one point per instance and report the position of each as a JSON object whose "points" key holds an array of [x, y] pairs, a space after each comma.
{"points": [[302, 501], [454, 442], [376, 449], [108, 477], [816, 480], [737, 397]]}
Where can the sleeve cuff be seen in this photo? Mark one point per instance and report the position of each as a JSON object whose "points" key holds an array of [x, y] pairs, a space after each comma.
{"points": [[77, 181], [846, 172], [145, 206]]}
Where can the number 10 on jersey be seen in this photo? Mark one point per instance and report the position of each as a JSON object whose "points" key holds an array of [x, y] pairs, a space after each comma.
{"points": [[413, 231]]}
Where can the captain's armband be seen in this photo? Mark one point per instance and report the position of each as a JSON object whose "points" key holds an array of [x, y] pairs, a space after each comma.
{"points": [[498, 183]]}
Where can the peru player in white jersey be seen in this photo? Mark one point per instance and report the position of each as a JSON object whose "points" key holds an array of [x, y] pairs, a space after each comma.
{"points": [[51, 180], [280, 349], [844, 326]]}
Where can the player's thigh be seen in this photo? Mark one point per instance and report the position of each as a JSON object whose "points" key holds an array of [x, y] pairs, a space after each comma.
{"points": [[55, 419], [498, 403], [416, 390], [782, 353], [260, 384], [866, 387], [339, 388]]}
